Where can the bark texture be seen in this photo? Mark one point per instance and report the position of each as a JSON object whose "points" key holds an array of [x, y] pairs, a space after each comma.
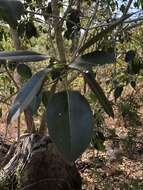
{"points": [[41, 166]]}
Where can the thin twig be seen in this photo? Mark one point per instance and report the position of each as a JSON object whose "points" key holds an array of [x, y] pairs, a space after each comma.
{"points": [[18, 129], [86, 31], [66, 12], [10, 96], [127, 7], [124, 14], [49, 36], [4, 102], [11, 77], [133, 26]]}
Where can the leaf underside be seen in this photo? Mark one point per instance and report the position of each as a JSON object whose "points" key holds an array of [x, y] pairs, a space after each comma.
{"points": [[26, 95], [22, 56], [95, 87], [95, 58]]}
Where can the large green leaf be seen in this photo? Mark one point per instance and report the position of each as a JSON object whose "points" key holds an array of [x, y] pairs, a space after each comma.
{"points": [[26, 95], [70, 122], [94, 58], [95, 87], [103, 33], [11, 11], [22, 56]]}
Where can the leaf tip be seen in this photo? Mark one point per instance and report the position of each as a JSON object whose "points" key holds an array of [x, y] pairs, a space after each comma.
{"points": [[12, 115]]}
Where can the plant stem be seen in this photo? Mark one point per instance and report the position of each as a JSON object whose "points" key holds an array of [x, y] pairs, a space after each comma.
{"points": [[58, 31]]}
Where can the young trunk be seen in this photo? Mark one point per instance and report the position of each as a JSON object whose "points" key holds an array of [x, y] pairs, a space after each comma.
{"points": [[40, 166]]}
